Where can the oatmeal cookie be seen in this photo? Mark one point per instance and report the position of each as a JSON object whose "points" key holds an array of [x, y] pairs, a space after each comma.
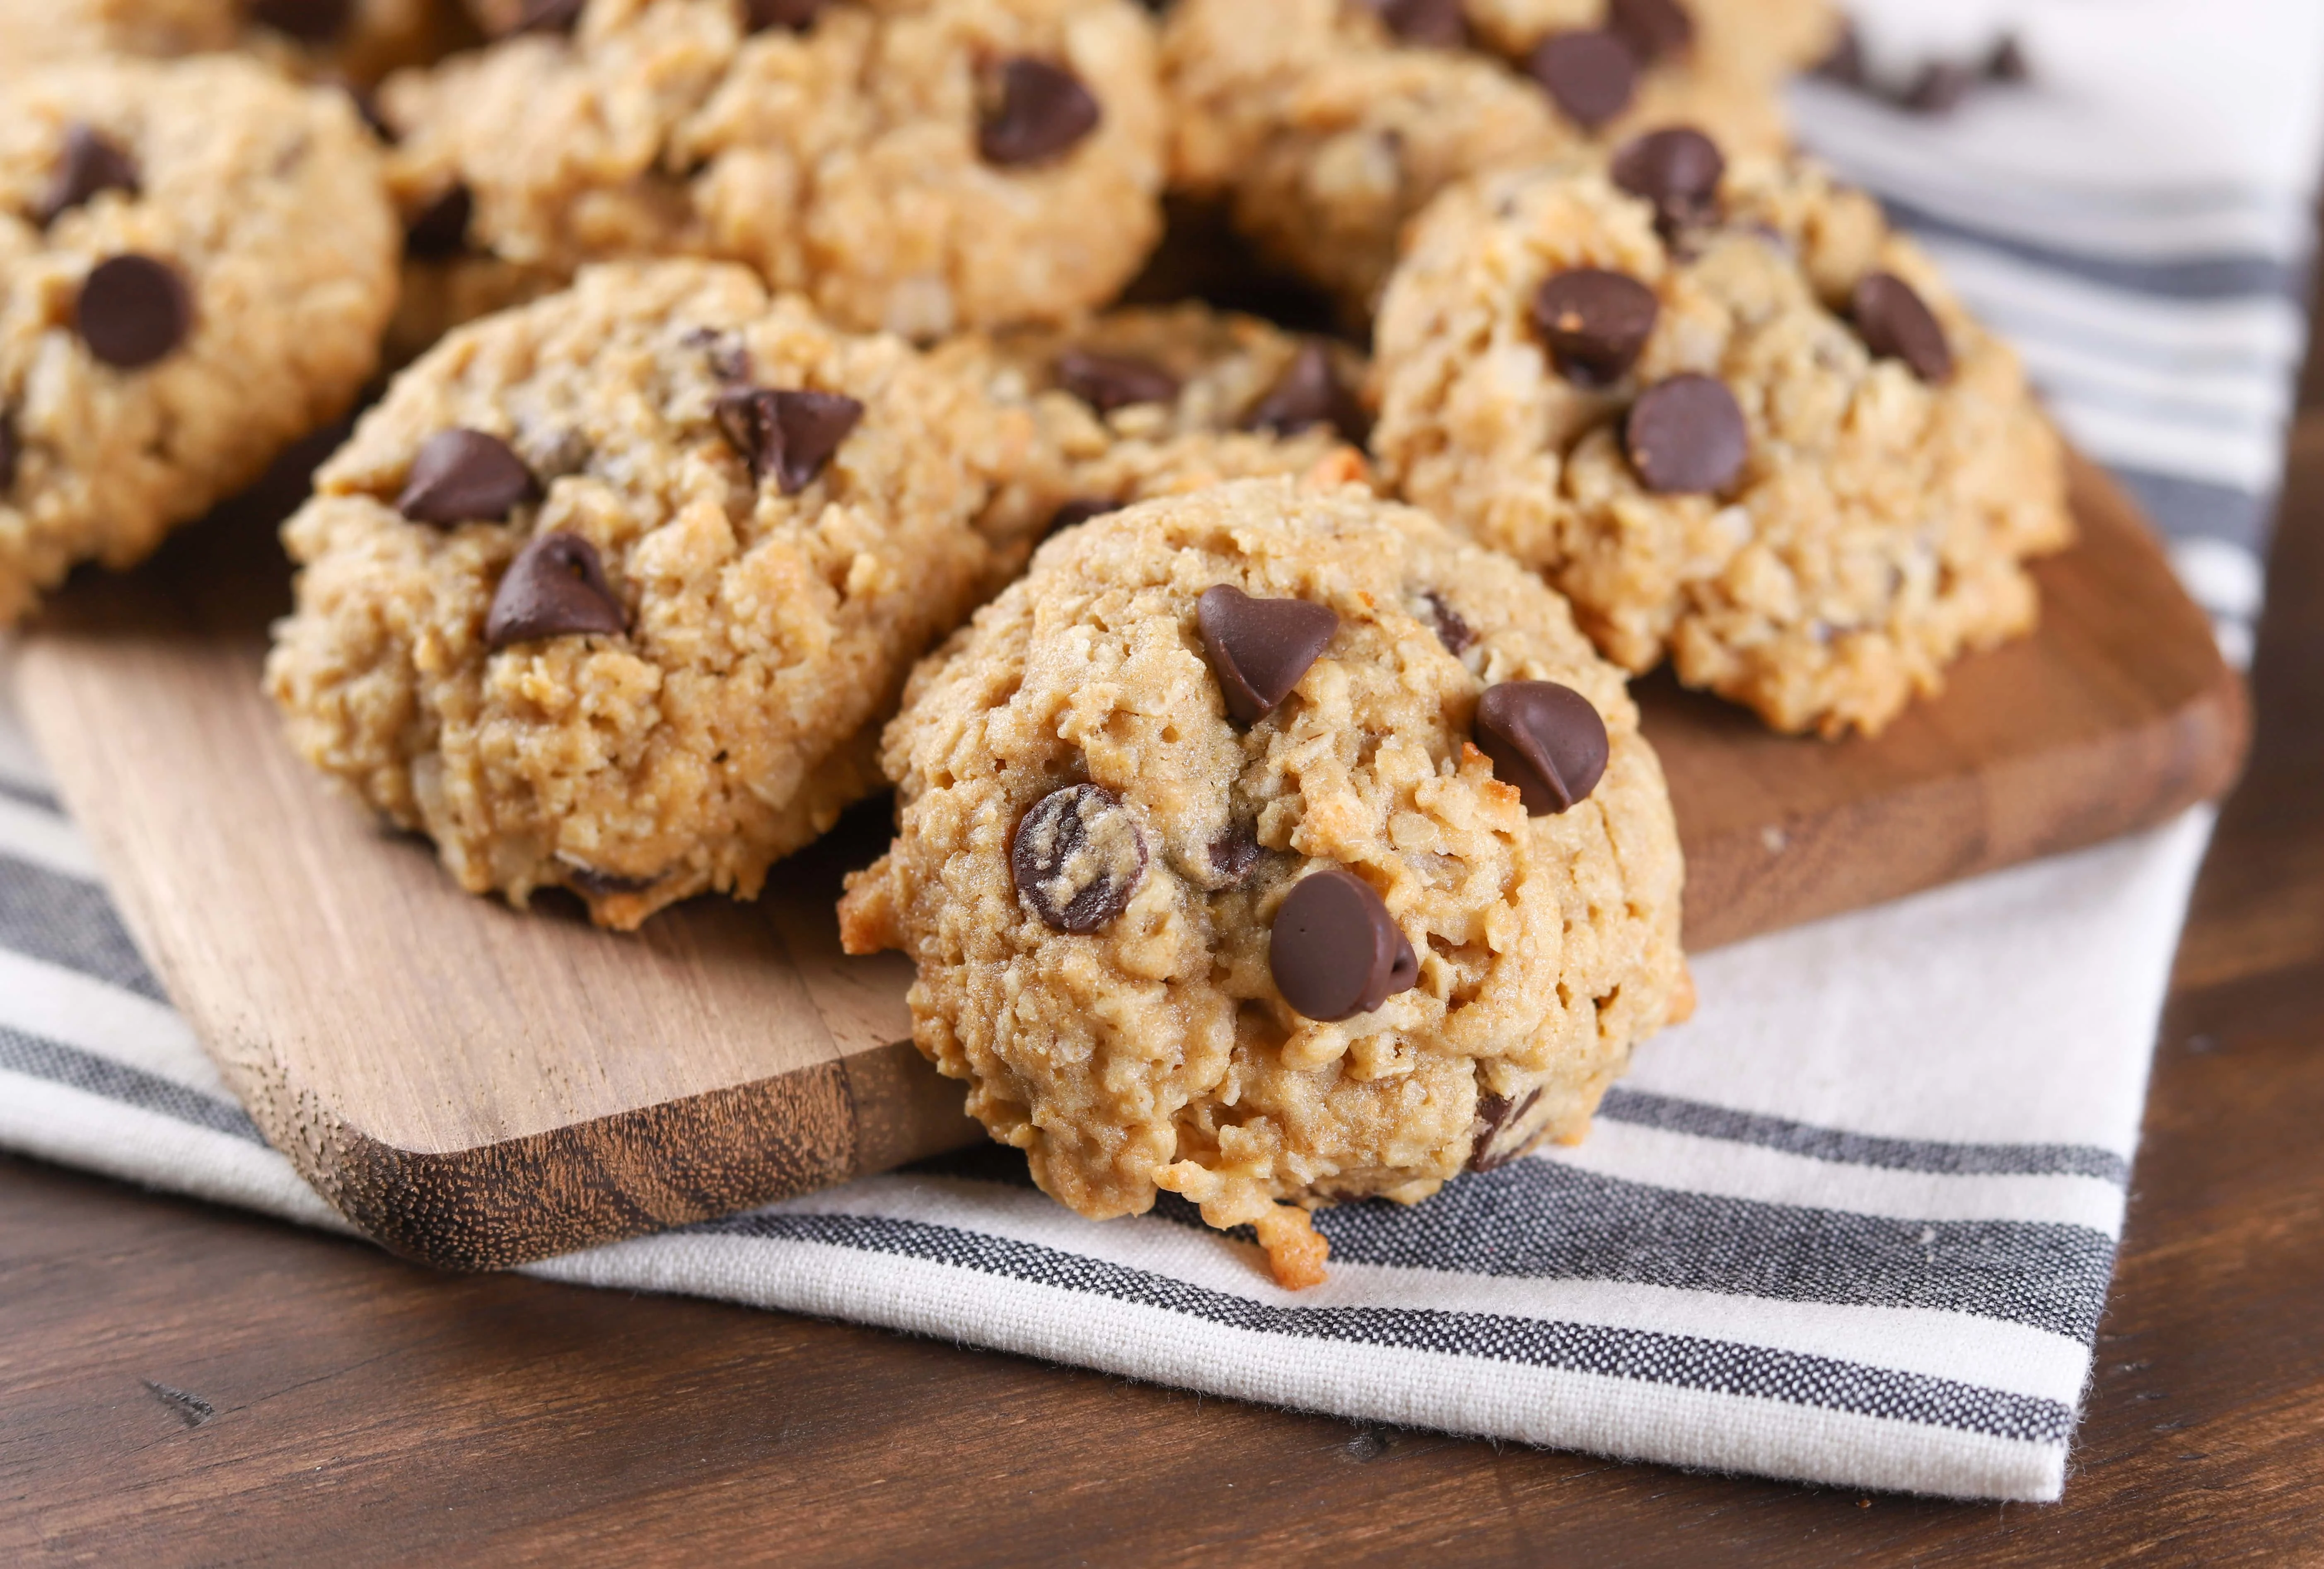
{"points": [[611, 590], [356, 41], [1731, 416], [1327, 124], [195, 259], [1273, 846], [915, 166]]}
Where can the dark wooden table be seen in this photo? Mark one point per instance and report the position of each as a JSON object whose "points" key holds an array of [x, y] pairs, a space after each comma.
{"points": [[183, 1384]]}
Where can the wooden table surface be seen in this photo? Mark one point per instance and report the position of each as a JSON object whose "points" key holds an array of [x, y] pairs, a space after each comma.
{"points": [[184, 1384]]}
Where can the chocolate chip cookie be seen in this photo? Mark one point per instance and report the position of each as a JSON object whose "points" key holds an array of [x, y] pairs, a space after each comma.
{"points": [[1731, 416], [356, 41], [612, 591], [1271, 845], [1327, 124], [195, 259], [917, 166]]}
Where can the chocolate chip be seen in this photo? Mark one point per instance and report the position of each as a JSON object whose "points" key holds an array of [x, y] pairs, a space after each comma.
{"points": [[1844, 62], [1080, 510], [1595, 321], [90, 162], [549, 15], [1686, 436], [1308, 392], [2008, 62], [466, 476], [1654, 29], [1895, 323], [1589, 75], [133, 310], [1940, 88], [1235, 854], [1678, 169], [791, 15], [790, 435], [1453, 632], [7, 453], [1259, 648], [308, 21], [441, 227], [1041, 111], [1077, 857], [729, 360], [555, 587], [1543, 738], [596, 884], [1335, 951], [1429, 23], [1109, 382], [1496, 1115]]}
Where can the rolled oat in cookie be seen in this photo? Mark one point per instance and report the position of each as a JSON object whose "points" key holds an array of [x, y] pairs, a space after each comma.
{"points": [[1270, 845], [1730, 416], [196, 258], [1326, 125], [352, 42], [613, 592]]}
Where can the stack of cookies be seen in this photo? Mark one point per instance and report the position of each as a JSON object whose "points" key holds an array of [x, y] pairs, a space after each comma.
{"points": [[1273, 826]]}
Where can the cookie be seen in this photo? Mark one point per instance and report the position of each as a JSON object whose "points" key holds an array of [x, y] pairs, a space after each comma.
{"points": [[1732, 417], [196, 261], [609, 591], [356, 41], [1327, 124], [1153, 400], [1273, 846], [916, 166]]}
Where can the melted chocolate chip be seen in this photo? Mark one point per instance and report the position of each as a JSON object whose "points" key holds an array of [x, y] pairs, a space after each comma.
{"points": [[790, 15], [1452, 631], [133, 310], [1543, 738], [1335, 951], [308, 21], [466, 476], [1686, 436], [1259, 648], [1895, 323], [1080, 510], [1429, 23], [555, 587], [1595, 321], [790, 435], [1078, 857], [1308, 392], [90, 162], [441, 227], [1041, 110], [1589, 75], [1496, 1116], [1654, 29], [1236, 853], [549, 15], [1109, 382], [1678, 169]]}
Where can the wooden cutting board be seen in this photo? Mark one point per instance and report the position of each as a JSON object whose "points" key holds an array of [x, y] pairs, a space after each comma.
{"points": [[475, 1087]]}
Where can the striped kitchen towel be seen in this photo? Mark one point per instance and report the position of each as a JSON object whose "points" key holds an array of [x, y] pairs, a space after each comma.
{"points": [[1854, 1222]]}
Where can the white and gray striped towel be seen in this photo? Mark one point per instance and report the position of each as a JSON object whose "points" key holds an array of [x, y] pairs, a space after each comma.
{"points": [[1854, 1223]]}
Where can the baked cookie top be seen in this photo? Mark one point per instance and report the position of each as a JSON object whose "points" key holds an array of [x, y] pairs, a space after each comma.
{"points": [[196, 258], [610, 591], [1730, 415], [917, 166], [1271, 845], [354, 41]]}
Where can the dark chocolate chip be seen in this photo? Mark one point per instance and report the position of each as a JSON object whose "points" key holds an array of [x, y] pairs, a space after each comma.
{"points": [[1236, 853], [308, 21], [7, 452], [791, 15], [133, 309], [1308, 392], [1543, 738], [1940, 88], [2008, 62], [1452, 631], [1895, 323], [1678, 168], [1595, 321], [730, 360], [1080, 510], [1844, 62], [1040, 111], [90, 162], [441, 227], [466, 476], [1259, 648], [555, 587], [1429, 23], [1496, 1115], [1077, 857], [1654, 29], [549, 15], [1686, 436], [1589, 75], [1335, 951], [790, 435], [1108, 381], [599, 884]]}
